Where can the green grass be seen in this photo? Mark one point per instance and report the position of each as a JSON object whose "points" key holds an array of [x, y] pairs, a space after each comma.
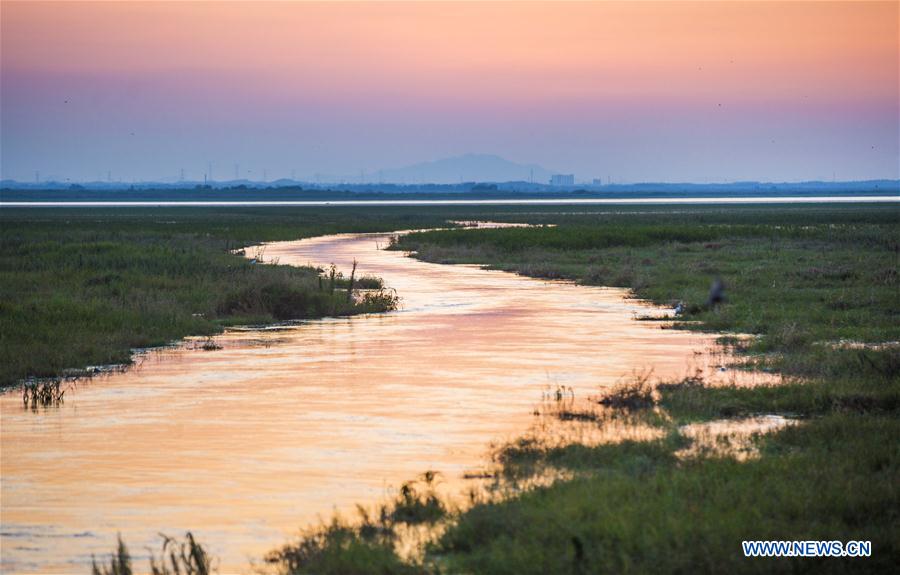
{"points": [[368, 545], [798, 277], [176, 557], [85, 287], [638, 509], [793, 276]]}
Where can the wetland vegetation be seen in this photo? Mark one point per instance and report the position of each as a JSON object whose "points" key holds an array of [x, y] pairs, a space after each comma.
{"points": [[83, 288], [819, 289], [817, 286]]}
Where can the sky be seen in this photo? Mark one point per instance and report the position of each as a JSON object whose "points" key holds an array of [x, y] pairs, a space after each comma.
{"points": [[633, 91]]}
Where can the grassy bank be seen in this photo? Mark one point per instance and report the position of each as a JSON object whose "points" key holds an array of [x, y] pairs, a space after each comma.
{"points": [[85, 287], [804, 280], [794, 275], [819, 287]]}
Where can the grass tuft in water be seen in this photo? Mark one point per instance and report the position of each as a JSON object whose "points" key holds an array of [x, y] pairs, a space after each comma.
{"points": [[176, 557], [43, 393], [119, 562], [636, 393], [185, 557]]}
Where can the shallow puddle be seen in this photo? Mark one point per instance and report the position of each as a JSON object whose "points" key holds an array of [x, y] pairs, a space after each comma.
{"points": [[245, 444], [730, 437]]}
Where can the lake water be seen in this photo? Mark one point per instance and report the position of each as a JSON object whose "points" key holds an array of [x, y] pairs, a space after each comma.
{"points": [[247, 444]]}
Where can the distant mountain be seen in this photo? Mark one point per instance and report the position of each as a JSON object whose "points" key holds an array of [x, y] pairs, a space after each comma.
{"points": [[466, 168]]}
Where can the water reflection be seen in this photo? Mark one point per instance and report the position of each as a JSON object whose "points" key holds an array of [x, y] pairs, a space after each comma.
{"points": [[244, 444], [730, 437]]}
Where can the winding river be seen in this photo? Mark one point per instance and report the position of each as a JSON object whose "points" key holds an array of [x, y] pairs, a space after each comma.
{"points": [[246, 444]]}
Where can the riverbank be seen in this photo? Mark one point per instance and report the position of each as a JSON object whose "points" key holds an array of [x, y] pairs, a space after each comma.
{"points": [[642, 505], [819, 290], [821, 293], [84, 288]]}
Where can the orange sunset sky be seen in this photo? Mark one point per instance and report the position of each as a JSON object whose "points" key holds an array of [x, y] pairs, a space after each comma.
{"points": [[661, 91]]}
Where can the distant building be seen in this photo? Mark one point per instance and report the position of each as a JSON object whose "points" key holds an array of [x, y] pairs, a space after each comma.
{"points": [[598, 181], [562, 180]]}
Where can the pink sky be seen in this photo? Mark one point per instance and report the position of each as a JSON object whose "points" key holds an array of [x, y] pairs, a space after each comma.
{"points": [[643, 91]]}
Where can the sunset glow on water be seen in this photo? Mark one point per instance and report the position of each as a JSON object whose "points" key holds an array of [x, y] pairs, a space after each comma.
{"points": [[247, 444]]}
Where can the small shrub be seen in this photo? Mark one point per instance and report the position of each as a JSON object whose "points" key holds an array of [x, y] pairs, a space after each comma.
{"points": [[415, 506], [369, 282], [634, 394]]}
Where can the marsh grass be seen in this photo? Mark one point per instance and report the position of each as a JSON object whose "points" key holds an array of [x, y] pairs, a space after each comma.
{"points": [[633, 393], [176, 557], [374, 542], [86, 287], [186, 557], [796, 279], [209, 344], [794, 276], [119, 562], [43, 393], [641, 506], [341, 547], [642, 509], [418, 501], [369, 282]]}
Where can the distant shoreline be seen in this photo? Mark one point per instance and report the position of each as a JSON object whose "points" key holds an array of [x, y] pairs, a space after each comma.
{"points": [[474, 194], [462, 202]]}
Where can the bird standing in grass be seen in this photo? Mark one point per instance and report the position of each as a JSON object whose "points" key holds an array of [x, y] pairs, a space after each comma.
{"points": [[716, 293]]}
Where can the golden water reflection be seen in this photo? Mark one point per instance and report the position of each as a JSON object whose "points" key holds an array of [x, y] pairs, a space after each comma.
{"points": [[730, 437], [248, 443]]}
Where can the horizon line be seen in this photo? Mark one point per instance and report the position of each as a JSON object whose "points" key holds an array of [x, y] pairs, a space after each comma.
{"points": [[207, 182]]}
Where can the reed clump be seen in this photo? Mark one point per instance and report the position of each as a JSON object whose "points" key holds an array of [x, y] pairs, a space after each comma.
{"points": [[43, 393], [119, 562], [636, 393], [184, 557], [176, 557], [418, 501]]}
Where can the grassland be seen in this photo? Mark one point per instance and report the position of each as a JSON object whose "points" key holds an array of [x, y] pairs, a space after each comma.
{"points": [[818, 286], [803, 281], [85, 287], [794, 275]]}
